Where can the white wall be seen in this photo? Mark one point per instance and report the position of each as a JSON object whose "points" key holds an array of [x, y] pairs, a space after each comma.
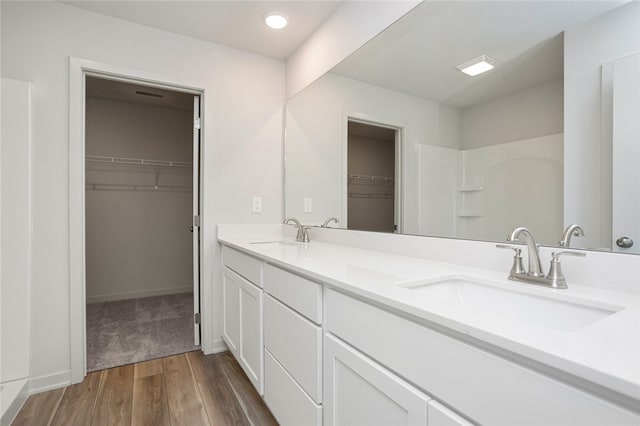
{"points": [[242, 149], [138, 243], [522, 115], [587, 177], [340, 35], [15, 247], [316, 132], [123, 129]]}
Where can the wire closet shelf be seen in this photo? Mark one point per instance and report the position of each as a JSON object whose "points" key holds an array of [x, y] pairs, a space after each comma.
{"points": [[367, 186], [137, 174]]}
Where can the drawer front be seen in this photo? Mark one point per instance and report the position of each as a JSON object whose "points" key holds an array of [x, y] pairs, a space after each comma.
{"points": [[484, 387], [290, 405], [296, 343], [300, 294], [247, 266]]}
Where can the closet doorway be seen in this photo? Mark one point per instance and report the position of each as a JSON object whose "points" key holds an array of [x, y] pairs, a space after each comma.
{"points": [[373, 154], [142, 209]]}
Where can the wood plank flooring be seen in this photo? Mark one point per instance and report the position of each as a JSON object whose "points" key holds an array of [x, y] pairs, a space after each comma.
{"points": [[185, 389]]}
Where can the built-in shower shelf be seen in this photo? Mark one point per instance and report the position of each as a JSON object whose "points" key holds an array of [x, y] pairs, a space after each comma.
{"points": [[470, 189], [469, 214]]}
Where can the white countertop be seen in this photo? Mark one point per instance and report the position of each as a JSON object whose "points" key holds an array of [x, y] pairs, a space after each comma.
{"points": [[605, 352]]}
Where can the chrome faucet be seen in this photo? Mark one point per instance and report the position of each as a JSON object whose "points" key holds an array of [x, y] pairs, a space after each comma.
{"points": [[571, 231], [303, 235], [329, 220], [554, 279], [535, 267]]}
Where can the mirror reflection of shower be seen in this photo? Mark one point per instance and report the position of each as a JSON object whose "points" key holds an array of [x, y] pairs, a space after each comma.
{"points": [[479, 154]]}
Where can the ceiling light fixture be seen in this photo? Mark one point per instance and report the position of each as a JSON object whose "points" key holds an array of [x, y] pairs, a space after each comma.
{"points": [[482, 63], [276, 20]]}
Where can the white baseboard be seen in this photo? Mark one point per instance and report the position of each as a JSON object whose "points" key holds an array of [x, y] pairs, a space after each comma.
{"points": [[14, 394], [50, 381], [219, 346], [138, 294]]}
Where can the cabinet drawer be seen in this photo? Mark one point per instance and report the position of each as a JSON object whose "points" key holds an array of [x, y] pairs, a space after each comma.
{"points": [[285, 398], [296, 343], [247, 266], [484, 387], [300, 294]]}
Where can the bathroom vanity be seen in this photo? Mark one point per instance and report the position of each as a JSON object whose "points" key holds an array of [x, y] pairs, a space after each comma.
{"points": [[335, 334]]}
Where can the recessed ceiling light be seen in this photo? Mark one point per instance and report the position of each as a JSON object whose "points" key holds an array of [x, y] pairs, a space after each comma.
{"points": [[482, 63], [276, 20]]}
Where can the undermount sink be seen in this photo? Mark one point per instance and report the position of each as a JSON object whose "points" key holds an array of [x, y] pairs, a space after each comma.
{"points": [[512, 305]]}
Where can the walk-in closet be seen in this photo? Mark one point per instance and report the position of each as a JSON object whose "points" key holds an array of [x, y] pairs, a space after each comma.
{"points": [[371, 177], [139, 202]]}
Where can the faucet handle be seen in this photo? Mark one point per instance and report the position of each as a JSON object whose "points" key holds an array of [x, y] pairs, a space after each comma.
{"points": [[506, 246], [556, 255], [518, 265]]}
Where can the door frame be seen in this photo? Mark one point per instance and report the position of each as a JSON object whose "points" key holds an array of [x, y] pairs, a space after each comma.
{"points": [[399, 162], [78, 70]]}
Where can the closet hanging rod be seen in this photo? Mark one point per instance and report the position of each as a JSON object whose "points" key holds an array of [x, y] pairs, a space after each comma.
{"points": [[136, 162]]}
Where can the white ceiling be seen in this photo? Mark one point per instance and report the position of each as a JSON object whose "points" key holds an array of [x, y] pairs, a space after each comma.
{"points": [[234, 23], [418, 54]]}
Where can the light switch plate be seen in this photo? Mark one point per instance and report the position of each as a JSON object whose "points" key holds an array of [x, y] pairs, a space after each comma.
{"points": [[256, 205], [308, 205]]}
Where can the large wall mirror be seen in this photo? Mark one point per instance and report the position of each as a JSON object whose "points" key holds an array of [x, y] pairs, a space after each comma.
{"points": [[396, 138]]}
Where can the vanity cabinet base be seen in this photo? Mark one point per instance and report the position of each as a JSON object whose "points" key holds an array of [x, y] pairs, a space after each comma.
{"points": [[484, 387]]}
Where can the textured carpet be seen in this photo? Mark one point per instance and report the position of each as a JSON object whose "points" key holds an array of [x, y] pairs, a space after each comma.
{"points": [[134, 330]]}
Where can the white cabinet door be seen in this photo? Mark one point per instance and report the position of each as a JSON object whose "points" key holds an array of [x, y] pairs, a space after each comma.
{"points": [[358, 391], [231, 310], [251, 354], [242, 324], [439, 415]]}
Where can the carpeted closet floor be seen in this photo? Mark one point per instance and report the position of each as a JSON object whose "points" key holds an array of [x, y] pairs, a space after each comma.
{"points": [[134, 330]]}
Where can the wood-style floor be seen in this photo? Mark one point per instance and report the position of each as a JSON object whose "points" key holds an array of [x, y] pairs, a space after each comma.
{"points": [[186, 389]]}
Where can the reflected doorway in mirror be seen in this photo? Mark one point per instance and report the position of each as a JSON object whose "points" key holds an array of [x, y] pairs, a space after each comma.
{"points": [[371, 169]]}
